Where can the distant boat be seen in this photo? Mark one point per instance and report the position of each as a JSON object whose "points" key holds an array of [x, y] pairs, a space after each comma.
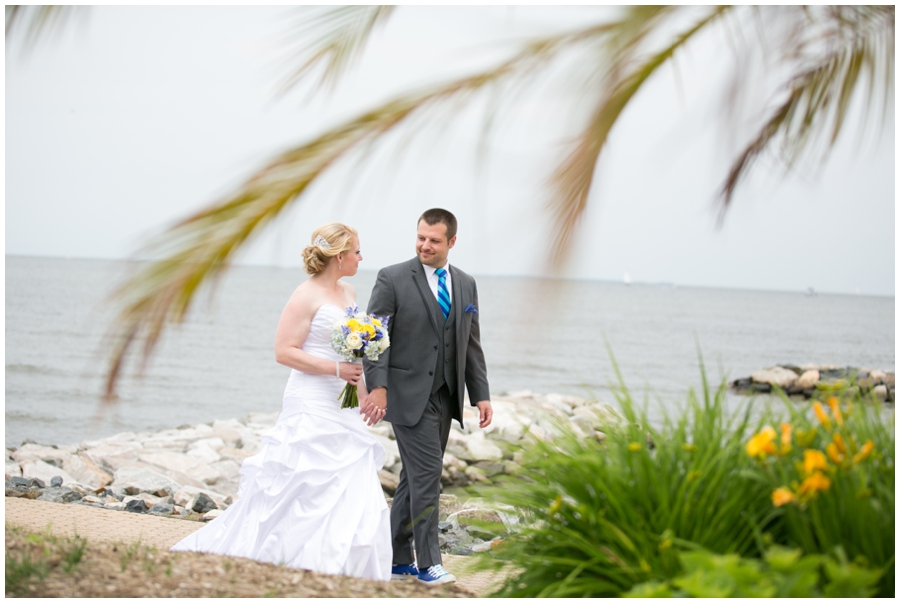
{"points": [[626, 279], [810, 292]]}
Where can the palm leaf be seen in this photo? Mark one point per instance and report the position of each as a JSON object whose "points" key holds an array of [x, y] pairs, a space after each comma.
{"points": [[859, 44], [202, 246], [30, 24], [339, 37]]}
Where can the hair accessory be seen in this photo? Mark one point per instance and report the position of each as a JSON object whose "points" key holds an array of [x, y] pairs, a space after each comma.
{"points": [[321, 242]]}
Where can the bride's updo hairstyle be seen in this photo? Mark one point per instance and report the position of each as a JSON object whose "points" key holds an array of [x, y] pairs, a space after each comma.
{"points": [[327, 241]]}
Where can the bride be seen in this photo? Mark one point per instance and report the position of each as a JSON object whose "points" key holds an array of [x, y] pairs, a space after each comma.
{"points": [[311, 498]]}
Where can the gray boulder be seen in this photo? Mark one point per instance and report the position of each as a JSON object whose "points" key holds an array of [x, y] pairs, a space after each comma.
{"points": [[135, 480], [59, 495]]}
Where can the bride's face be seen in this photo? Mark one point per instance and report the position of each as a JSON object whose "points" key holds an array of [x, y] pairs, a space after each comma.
{"points": [[352, 258]]}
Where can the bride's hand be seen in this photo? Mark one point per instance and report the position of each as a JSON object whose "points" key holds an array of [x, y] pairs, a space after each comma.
{"points": [[351, 373]]}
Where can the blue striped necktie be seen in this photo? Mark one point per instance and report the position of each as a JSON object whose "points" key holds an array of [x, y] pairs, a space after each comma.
{"points": [[443, 295]]}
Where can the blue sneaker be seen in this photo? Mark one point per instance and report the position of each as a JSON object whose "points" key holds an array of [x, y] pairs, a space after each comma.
{"points": [[435, 575], [404, 571]]}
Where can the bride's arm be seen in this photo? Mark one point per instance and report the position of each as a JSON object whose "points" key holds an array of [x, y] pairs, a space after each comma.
{"points": [[293, 328]]}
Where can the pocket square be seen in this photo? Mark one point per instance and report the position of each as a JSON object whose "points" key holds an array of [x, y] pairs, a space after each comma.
{"points": [[471, 308]]}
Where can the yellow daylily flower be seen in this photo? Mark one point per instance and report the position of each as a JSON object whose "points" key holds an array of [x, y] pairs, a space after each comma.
{"points": [[864, 452], [817, 482], [839, 442], [813, 460], [785, 438], [822, 415], [556, 505], [782, 496], [762, 443], [834, 453], [836, 411]]}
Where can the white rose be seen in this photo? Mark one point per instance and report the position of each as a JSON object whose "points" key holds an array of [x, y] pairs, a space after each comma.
{"points": [[354, 341], [384, 343]]}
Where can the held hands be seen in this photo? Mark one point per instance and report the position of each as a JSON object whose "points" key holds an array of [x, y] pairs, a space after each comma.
{"points": [[351, 373], [374, 407]]}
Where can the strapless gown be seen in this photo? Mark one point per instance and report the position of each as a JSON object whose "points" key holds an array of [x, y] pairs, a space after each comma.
{"points": [[311, 497]]}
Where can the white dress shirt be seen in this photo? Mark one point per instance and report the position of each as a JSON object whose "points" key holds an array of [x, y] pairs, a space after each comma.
{"points": [[432, 279]]}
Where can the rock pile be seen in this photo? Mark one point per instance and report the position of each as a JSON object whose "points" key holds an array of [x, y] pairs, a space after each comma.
{"points": [[191, 471], [810, 379]]}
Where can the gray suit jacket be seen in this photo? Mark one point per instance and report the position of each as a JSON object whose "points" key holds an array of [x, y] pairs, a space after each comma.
{"points": [[407, 367]]}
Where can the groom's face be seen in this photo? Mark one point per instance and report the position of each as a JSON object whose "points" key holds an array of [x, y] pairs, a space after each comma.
{"points": [[432, 244]]}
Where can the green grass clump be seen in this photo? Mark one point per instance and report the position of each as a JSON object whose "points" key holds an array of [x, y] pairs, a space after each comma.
{"points": [[649, 505]]}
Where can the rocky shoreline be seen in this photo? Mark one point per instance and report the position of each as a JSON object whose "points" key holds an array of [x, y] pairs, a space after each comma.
{"points": [[191, 472], [810, 380]]}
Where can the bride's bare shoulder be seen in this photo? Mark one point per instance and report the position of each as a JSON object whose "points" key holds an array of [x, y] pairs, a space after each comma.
{"points": [[304, 300]]}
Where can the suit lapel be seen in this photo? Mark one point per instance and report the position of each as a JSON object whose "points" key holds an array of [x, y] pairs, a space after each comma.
{"points": [[456, 305], [424, 290]]}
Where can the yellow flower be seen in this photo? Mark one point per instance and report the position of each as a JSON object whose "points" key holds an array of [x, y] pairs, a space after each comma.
{"points": [[817, 482], [782, 496], [556, 505], [354, 325], [689, 447], [762, 443], [836, 411], [823, 416], [369, 330], [634, 447], [813, 460], [839, 442], [785, 438], [834, 453], [864, 452], [376, 322]]}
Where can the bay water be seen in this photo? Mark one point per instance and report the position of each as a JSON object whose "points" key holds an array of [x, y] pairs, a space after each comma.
{"points": [[538, 334]]}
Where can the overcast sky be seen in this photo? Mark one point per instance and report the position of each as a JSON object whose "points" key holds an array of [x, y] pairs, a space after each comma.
{"points": [[144, 114]]}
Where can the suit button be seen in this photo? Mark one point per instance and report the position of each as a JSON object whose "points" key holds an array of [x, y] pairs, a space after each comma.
{"points": [[430, 373], [435, 347], [448, 345]]}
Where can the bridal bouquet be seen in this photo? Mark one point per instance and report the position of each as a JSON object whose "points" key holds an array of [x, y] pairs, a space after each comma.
{"points": [[356, 336]]}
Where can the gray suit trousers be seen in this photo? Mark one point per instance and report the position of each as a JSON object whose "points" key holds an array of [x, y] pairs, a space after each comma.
{"points": [[414, 512]]}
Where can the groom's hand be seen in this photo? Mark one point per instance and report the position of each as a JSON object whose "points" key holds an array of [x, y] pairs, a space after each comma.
{"points": [[485, 413], [375, 405]]}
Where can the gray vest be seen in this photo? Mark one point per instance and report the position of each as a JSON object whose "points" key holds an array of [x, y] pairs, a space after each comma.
{"points": [[445, 369]]}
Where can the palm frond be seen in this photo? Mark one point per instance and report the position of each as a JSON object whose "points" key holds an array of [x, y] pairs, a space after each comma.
{"points": [[859, 46], [29, 24], [203, 245], [339, 35], [574, 177]]}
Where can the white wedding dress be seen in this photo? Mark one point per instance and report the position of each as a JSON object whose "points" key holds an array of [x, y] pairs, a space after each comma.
{"points": [[311, 498]]}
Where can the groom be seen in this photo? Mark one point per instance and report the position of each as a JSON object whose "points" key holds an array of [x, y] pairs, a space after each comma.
{"points": [[419, 380]]}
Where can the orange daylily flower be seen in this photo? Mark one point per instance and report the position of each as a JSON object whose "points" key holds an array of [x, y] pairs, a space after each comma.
{"points": [[834, 454], [817, 482], [836, 411], [864, 452], [813, 460], [822, 415], [785, 438], [762, 443], [782, 496], [839, 442]]}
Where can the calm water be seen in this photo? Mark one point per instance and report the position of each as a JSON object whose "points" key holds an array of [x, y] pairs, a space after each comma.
{"points": [[546, 336]]}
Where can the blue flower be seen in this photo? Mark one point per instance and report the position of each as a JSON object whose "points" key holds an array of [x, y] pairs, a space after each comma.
{"points": [[471, 308]]}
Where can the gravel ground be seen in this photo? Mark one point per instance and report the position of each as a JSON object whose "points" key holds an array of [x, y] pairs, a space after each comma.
{"points": [[70, 550]]}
